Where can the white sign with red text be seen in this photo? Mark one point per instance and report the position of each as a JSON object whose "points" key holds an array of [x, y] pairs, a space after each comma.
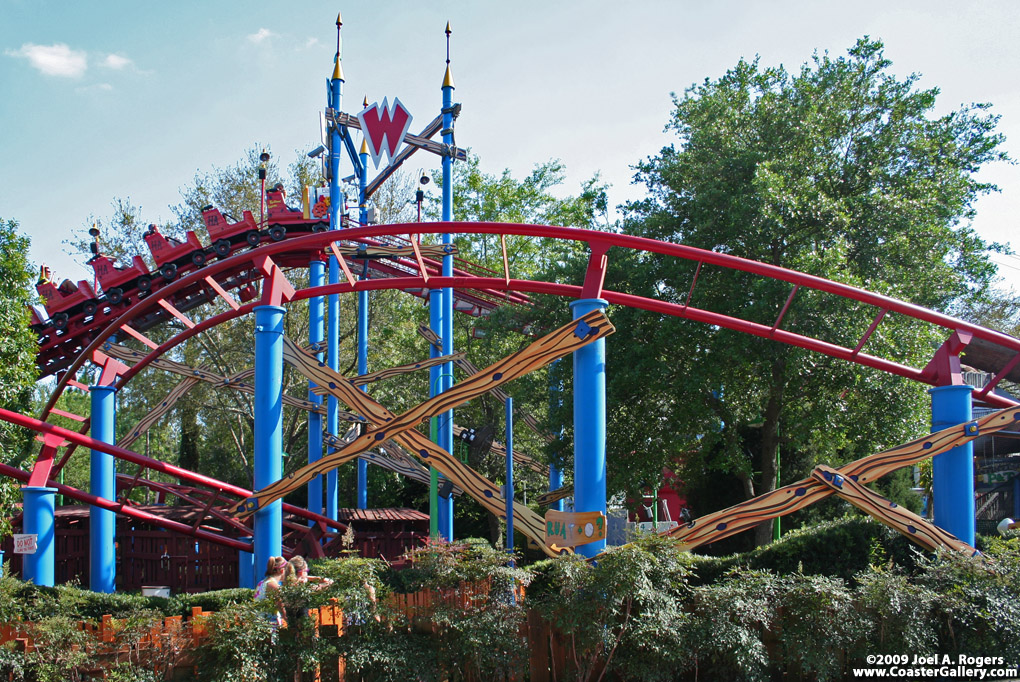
{"points": [[25, 543]]}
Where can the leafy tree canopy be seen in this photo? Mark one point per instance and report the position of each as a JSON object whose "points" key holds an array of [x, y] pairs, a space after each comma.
{"points": [[839, 170], [17, 355]]}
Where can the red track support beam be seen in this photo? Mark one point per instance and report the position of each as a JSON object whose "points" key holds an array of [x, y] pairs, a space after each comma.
{"points": [[155, 465], [119, 508], [596, 272]]}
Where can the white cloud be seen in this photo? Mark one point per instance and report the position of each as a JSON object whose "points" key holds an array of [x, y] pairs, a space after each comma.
{"points": [[260, 35], [116, 62], [53, 60], [311, 42]]}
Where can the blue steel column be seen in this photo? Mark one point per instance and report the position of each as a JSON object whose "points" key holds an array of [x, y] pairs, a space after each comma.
{"points": [[555, 400], [103, 483], [509, 475], [268, 429], [590, 424], [363, 319], [37, 518], [953, 471], [246, 568], [446, 418], [333, 333], [316, 334]]}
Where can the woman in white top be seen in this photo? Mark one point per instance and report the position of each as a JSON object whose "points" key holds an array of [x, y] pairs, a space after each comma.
{"points": [[269, 588]]}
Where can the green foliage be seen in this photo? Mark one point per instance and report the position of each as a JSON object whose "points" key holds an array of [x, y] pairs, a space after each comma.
{"points": [[726, 634], [978, 608], [17, 357], [63, 651], [818, 624], [897, 610], [645, 611], [839, 170], [840, 548], [440, 564], [624, 609], [377, 653], [13, 663]]}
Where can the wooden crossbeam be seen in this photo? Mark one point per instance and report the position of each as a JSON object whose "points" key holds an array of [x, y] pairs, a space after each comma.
{"points": [[560, 342], [545, 499], [928, 535], [154, 415], [235, 381], [476, 485], [392, 457], [790, 498], [470, 369], [371, 377]]}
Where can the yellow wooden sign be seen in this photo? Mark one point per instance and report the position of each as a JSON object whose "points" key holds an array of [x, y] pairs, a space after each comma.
{"points": [[570, 529]]}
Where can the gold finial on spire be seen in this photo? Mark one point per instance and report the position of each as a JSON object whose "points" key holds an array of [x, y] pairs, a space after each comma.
{"points": [[448, 78], [364, 146], [339, 21], [338, 71], [364, 103]]}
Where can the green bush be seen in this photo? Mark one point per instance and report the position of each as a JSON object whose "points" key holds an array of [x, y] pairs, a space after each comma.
{"points": [[725, 638], [244, 646], [978, 606], [898, 614], [818, 624], [840, 548], [624, 611]]}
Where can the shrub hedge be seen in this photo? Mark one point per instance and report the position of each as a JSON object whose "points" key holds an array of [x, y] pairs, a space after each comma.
{"points": [[809, 607]]}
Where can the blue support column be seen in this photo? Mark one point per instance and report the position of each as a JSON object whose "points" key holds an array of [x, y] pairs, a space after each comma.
{"points": [[590, 424], [336, 202], [268, 429], [510, 475], [316, 334], [363, 318], [103, 483], [246, 570], [446, 418], [37, 518], [953, 471], [555, 400]]}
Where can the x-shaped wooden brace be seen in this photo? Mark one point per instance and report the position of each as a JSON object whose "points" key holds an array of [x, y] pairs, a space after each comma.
{"points": [[848, 482], [565, 340]]}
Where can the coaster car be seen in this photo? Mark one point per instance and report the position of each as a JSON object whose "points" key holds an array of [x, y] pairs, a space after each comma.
{"points": [[172, 254]]}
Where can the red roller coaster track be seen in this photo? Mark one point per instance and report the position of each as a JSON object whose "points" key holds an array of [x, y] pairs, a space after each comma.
{"points": [[987, 349]]}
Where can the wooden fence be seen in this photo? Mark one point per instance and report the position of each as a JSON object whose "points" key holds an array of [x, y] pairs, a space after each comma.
{"points": [[167, 647]]}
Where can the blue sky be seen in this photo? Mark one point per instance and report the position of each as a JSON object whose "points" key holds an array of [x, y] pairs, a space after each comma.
{"points": [[130, 99]]}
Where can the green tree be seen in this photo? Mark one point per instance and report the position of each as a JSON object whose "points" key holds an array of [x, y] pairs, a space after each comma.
{"points": [[839, 170], [17, 356]]}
